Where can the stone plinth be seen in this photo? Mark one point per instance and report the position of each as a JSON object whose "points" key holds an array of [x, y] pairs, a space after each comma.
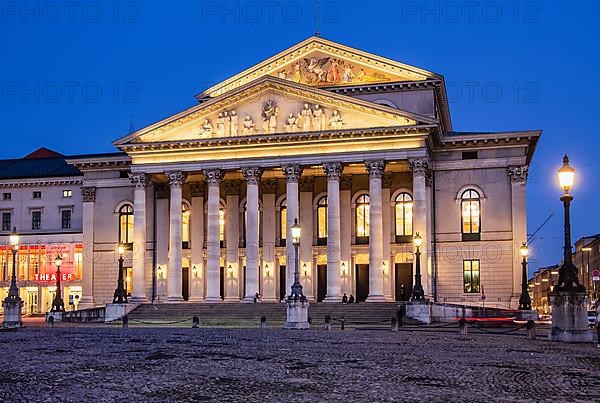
{"points": [[419, 310], [117, 311], [12, 312], [297, 315], [569, 318]]}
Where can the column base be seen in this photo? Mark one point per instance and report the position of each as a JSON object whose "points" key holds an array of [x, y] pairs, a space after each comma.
{"points": [[213, 300], [196, 299], [232, 299], [171, 300], [139, 299], [332, 299], [248, 299], [86, 303], [375, 298]]}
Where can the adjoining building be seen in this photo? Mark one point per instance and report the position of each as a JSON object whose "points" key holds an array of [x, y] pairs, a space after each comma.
{"points": [[540, 286], [587, 260], [359, 148]]}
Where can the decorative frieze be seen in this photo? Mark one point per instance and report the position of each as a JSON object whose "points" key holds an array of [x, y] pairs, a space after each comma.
{"points": [[375, 168], [213, 176], [138, 179], [269, 186], [292, 172], [252, 175], [333, 170], [176, 178], [196, 189], [518, 174], [88, 193], [419, 167]]}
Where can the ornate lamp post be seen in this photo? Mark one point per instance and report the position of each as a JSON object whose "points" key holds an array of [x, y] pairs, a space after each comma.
{"points": [[58, 304], [418, 293], [567, 274], [524, 299], [296, 287], [12, 304], [120, 296]]}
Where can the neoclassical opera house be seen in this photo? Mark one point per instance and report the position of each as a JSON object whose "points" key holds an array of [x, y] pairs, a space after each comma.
{"points": [[359, 148]]}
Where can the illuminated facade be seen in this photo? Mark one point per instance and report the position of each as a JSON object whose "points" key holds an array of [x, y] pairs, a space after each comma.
{"points": [[359, 148]]}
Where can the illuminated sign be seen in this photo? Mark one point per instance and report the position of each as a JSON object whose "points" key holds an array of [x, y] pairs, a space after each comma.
{"points": [[43, 277]]}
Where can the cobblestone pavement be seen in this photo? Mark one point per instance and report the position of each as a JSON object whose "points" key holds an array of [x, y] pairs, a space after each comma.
{"points": [[95, 363]]}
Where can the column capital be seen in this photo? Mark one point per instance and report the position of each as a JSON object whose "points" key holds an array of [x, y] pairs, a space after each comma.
{"points": [[292, 172], [375, 168], [213, 176], [176, 178], [88, 193], [333, 170], [138, 179], [518, 174], [252, 175], [196, 189], [419, 167]]}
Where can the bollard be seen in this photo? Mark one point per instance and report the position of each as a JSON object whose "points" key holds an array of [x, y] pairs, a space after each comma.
{"points": [[327, 322], [263, 322], [125, 322], [195, 322], [394, 324], [343, 320], [530, 329], [51, 320], [400, 316], [462, 327]]}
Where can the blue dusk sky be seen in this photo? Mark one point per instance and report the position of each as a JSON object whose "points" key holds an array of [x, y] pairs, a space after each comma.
{"points": [[72, 74]]}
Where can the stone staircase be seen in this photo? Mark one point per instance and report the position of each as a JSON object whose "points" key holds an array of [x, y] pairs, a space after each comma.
{"points": [[248, 315]]}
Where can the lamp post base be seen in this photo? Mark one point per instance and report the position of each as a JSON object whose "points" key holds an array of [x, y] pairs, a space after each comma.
{"points": [[569, 318], [12, 313], [297, 315]]}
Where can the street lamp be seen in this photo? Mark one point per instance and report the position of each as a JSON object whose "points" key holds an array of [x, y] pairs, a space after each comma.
{"points": [[418, 293], [58, 304], [120, 296], [524, 299], [296, 287], [13, 291], [567, 274]]}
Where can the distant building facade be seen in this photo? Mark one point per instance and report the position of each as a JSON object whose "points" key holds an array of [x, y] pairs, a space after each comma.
{"points": [[540, 286], [587, 260], [358, 148]]}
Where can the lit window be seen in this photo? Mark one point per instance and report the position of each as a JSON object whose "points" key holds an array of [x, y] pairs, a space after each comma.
{"points": [[403, 209], [222, 226], [471, 220], [362, 219], [322, 221], [282, 222], [67, 194], [185, 223], [471, 276], [126, 225]]}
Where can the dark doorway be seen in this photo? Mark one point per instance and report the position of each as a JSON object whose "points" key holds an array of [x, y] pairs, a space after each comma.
{"points": [[222, 282], [321, 282], [362, 282], [403, 272], [281, 281], [185, 283]]}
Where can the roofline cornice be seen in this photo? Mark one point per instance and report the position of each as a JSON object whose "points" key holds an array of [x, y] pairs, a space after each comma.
{"points": [[40, 182]]}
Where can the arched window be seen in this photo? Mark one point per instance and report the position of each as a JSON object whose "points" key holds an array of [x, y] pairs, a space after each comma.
{"points": [[322, 221], [222, 226], [126, 225], [282, 222], [403, 210], [185, 226], [362, 219], [471, 215]]}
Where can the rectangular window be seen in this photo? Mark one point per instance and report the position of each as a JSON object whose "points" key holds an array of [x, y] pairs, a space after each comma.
{"points": [[6, 221], [469, 155], [37, 195], [36, 220], [67, 194], [66, 219], [6, 196], [471, 276]]}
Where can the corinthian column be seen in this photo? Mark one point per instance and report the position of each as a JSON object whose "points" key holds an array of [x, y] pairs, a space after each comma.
{"points": [[333, 170], [375, 169], [174, 291], [139, 237], [292, 174], [252, 176], [420, 170], [213, 243]]}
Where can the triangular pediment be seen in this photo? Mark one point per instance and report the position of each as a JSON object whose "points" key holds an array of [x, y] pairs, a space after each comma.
{"points": [[318, 62], [269, 106]]}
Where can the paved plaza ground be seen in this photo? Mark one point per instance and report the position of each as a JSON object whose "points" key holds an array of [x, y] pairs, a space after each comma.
{"points": [[99, 363]]}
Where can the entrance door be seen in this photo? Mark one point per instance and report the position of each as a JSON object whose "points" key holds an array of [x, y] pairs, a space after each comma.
{"points": [[321, 282], [222, 282], [403, 272], [362, 282], [185, 283], [32, 301], [281, 281]]}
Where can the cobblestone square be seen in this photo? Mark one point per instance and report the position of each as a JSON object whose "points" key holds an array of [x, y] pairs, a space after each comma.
{"points": [[169, 364]]}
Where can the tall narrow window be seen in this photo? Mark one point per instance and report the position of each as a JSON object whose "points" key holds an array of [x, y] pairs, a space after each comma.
{"points": [[222, 226], [66, 219], [322, 221], [36, 220], [403, 209], [471, 276], [126, 225], [6, 221], [471, 220], [362, 219], [185, 226], [282, 222]]}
